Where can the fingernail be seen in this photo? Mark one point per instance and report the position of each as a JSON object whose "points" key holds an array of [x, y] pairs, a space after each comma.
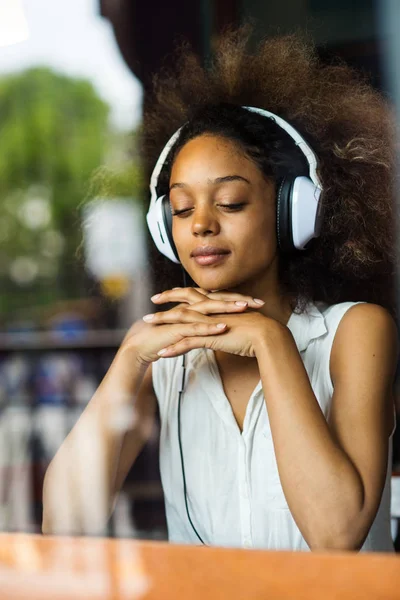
{"points": [[177, 288], [162, 351], [147, 318], [258, 301], [155, 297], [240, 303], [221, 326]]}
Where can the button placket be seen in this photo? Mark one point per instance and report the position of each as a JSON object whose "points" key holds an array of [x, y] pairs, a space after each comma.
{"points": [[245, 515]]}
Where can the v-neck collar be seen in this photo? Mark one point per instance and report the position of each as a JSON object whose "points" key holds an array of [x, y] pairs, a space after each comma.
{"points": [[222, 405], [304, 327]]}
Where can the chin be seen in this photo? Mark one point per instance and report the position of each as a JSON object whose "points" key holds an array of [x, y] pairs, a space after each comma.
{"points": [[216, 281]]}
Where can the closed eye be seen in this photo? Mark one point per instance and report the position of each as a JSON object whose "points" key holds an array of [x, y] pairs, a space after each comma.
{"points": [[229, 207]]}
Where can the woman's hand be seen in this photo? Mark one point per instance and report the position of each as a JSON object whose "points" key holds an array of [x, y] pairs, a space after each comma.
{"points": [[242, 331], [145, 340], [207, 302], [195, 317]]}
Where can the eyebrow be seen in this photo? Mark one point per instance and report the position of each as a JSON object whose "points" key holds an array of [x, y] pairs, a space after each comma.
{"points": [[216, 181]]}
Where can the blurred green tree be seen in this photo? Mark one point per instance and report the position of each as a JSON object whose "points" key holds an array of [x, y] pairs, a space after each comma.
{"points": [[54, 134]]}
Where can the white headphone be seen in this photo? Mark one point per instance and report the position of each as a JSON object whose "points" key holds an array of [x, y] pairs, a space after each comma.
{"points": [[299, 212]]}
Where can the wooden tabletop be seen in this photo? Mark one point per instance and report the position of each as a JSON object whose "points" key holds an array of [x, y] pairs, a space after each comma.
{"points": [[57, 568]]}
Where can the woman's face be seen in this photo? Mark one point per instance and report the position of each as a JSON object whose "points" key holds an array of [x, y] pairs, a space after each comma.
{"points": [[224, 204]]}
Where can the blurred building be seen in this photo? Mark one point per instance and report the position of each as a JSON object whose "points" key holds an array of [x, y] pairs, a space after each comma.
{"points": [[146, 32]]}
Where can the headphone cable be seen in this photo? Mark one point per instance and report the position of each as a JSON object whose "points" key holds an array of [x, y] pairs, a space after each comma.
{"points": [[179, 433]]}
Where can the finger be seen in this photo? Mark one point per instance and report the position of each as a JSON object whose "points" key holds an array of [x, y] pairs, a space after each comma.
{"points": [[210, 307], [188, 295], [186, 313], [193, 295], [178, 314], [194, 330], [232, 296], [198, 289], [225, 295], [185, 345]]}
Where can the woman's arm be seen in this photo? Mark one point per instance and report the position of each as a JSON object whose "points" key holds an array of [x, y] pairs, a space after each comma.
{"points": [[89, 468], [333, 473], [86, 474]]}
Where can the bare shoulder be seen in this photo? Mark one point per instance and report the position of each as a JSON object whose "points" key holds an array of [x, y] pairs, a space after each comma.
{"points": [[364, 356], [368, 327]]}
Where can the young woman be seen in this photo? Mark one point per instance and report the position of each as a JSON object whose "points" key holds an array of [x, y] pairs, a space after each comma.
{"points": [[274, 370]]}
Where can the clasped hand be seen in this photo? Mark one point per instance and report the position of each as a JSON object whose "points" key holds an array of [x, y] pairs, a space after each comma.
{"points": [[220, 320]]}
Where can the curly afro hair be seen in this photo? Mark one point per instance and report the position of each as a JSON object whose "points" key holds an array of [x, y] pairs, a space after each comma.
{"points": [[347, 123]]}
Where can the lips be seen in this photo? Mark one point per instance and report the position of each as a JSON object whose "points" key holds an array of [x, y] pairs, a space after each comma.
{"points": [[208, 256], [208, 251]]}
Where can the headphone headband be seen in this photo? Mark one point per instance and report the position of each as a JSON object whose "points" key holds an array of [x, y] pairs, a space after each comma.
{"points": [[294, 134], [299, 211], [297, 138]]}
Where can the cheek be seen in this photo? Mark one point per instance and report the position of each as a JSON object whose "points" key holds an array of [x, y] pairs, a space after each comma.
{"points": [[259, 233], [261, 245], [183, 240], [181, 233]]}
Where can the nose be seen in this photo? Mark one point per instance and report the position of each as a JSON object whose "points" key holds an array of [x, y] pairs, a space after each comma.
{"points": [[204, 222]]}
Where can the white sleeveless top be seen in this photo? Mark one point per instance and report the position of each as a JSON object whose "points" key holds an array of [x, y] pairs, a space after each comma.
{"points": [[234, 493]]}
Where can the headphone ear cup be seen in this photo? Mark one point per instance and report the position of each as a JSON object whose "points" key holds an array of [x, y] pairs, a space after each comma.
{"points": [[284, 215], [159, 221], [167, 218]]}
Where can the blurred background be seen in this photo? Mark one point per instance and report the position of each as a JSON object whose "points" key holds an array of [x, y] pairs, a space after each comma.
{"points": [[76, 263]]}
